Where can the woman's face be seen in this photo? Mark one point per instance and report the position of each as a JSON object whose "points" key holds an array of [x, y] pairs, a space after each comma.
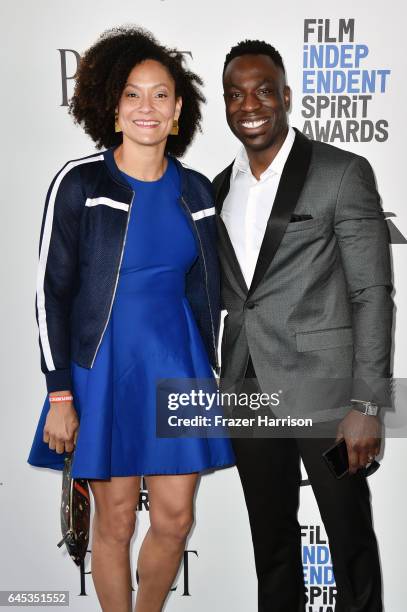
{"points": [[147, 106]]}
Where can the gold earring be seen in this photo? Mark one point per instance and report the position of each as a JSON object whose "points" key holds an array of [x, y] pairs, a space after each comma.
{"points": [[175, 128], [117, 127]]}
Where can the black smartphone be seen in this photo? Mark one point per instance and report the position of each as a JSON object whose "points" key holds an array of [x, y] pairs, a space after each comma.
{"points": [[338, 462], [337, 458]]}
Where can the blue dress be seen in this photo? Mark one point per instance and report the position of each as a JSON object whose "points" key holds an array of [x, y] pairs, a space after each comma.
{"points": [[151, 335]]}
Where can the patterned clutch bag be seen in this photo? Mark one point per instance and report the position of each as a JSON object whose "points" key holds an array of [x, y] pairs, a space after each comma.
{"points": [[75, 513]]}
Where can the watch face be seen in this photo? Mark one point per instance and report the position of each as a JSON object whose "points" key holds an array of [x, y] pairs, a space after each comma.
{"points": [[370, 409]]}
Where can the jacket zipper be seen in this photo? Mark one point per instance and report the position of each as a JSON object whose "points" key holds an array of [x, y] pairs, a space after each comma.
{"points": [[117, 280], [217, 369]]}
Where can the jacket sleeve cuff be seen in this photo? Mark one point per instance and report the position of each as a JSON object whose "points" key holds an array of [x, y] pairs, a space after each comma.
{"points": [[376, 390], [58, 380]]}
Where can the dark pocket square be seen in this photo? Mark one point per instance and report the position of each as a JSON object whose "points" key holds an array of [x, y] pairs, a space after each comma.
{"points": [[295, 218]]}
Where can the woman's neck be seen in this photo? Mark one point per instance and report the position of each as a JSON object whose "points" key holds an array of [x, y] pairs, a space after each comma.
{"points": [[146, 163]]}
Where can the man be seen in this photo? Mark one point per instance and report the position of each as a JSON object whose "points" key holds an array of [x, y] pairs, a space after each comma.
{"points": [[306, 273]]}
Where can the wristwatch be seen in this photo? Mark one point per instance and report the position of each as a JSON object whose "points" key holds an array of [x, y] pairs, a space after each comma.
{"points": [[367, 408]]}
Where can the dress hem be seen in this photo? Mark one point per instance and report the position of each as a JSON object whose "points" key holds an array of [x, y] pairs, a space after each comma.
{"points": [[155, 472]]}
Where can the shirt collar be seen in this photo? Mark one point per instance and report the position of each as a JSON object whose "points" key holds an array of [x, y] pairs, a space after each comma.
{"points": [[241, 163]]}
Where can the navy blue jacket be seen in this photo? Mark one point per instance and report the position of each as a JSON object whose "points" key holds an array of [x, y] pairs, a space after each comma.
{"points": [[82, 239]]}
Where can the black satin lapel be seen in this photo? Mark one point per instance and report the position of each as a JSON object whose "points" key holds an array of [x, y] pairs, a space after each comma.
{"points": [[227, 251], [221, 186], [289, 190]]}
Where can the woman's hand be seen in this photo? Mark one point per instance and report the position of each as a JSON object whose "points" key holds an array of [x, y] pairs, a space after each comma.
{"points": [[62, 424]]}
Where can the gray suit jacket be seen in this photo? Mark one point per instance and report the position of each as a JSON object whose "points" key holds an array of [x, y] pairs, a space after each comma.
{"points": [[317, 318]]}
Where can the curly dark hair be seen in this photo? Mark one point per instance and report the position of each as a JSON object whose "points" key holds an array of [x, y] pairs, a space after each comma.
{"points": [[254, 47], [102, 75]]}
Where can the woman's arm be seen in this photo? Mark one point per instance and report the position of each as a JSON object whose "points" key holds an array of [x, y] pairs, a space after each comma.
{"points": [[57, 275]]}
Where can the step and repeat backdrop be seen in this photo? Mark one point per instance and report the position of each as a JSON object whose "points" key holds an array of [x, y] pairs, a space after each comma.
{"points": [[346, 67]]}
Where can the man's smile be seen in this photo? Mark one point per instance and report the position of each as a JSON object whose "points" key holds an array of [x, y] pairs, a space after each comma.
{"points": [[252, 123]]}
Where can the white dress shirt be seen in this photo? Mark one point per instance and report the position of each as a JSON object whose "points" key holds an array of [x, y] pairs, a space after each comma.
{"points": [[248, 205]]}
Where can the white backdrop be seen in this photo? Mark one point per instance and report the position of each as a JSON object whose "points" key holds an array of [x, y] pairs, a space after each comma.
{"points": [[40, 137]]}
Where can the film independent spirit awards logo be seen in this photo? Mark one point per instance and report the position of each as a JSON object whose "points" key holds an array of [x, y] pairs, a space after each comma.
{"points": [[339, 90]]}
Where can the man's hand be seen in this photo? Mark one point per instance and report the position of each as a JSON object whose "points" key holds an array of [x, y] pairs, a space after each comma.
{"points": [[362, 435]]}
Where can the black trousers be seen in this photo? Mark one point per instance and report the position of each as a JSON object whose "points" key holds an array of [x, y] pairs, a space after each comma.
{"points": [[270, 473]]}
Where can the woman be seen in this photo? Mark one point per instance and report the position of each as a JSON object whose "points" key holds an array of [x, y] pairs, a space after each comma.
{"points": [[128, 293]]}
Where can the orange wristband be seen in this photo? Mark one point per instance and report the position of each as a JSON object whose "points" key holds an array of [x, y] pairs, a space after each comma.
{"points": [[61, 398]]}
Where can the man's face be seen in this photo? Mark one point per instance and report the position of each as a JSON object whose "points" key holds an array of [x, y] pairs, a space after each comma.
{"points": [[257, 100]]}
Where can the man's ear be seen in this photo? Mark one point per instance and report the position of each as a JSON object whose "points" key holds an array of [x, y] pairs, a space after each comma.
{"points": [[287, 97]]}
